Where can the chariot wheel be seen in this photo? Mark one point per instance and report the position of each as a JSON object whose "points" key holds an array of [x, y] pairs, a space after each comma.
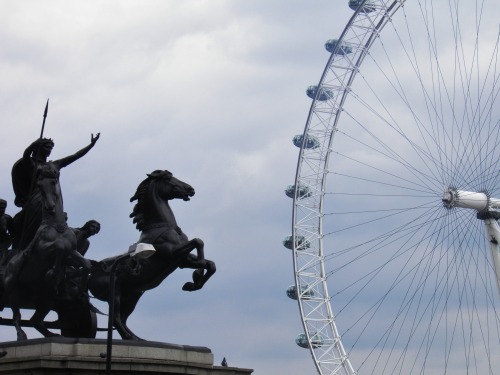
{"points": [[77, 319], [395, 258]]}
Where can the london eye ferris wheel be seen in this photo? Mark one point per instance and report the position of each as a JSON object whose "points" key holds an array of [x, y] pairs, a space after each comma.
{"points": [[395, 237]]}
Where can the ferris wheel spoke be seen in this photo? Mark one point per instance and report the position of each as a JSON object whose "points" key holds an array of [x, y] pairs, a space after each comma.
{"points": [[403, 308], [433, 97], [389, 152]]}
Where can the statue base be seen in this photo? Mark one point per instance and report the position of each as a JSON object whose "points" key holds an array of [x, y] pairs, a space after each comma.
{"points": [[78, 356]]}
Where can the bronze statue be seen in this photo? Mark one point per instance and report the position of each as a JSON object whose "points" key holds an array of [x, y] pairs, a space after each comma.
{"points": [[24, 171], [90, 228], [35, 272], [156, 221], [45, 267]]}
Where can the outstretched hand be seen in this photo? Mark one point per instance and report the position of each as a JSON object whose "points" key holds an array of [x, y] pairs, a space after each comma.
{"points": [[93, 139]]}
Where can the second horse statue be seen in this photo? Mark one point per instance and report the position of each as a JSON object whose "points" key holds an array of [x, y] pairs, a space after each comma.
{"points": [[156, 221]]}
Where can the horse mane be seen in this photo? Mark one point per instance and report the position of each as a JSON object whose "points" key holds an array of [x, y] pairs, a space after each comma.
{"points": [[138, 211]]}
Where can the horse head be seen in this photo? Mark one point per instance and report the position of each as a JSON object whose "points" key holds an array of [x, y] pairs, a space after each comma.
{"points": [[170, 187], [47, 182], [153, 194]]}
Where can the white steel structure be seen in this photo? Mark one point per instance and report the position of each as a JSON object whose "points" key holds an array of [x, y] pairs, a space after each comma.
{"points": [[395, 272]]}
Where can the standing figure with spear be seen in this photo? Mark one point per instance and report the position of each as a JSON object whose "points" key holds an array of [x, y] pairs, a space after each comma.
{"points": [[24, 173]]}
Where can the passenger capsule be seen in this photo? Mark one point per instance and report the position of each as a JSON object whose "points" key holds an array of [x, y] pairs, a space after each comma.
{"points": [[302, 243], [324, 94], [311, 141], [291, 292], [301, 340], [304, 191], [331, 44], [367, 8]]}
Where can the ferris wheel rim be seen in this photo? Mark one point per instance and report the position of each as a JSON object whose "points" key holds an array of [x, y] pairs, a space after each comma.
{"points": [[297, 247], [343, 361]]}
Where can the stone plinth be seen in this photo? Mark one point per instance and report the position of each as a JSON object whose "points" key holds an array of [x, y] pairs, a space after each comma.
{"points": [[68, 356]]}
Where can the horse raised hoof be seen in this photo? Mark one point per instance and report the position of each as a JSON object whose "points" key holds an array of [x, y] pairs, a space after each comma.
{"points": [[191, 287]]}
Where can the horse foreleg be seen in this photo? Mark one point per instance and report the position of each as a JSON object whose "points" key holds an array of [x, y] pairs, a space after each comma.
{"points": [[204, 270], [186, 248], [200, 247]]}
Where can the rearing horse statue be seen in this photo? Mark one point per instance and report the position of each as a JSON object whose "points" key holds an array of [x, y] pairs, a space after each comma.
{"points": [[156, 221]]}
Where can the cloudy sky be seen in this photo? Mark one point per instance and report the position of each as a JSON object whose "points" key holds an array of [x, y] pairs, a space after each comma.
{"points": [[213, 91]]}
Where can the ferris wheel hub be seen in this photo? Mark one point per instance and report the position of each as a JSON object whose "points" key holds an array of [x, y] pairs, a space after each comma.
{"points": [[465, 199]]}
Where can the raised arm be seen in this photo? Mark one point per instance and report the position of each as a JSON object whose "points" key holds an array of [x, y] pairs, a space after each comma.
{"points": [[77, 155], [29, 150]]}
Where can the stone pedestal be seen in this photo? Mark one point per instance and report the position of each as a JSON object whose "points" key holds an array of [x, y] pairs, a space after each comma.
{"points": [[68, 356]]}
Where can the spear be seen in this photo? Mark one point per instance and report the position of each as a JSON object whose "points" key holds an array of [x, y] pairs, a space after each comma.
{"points": [[44, 118]]}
